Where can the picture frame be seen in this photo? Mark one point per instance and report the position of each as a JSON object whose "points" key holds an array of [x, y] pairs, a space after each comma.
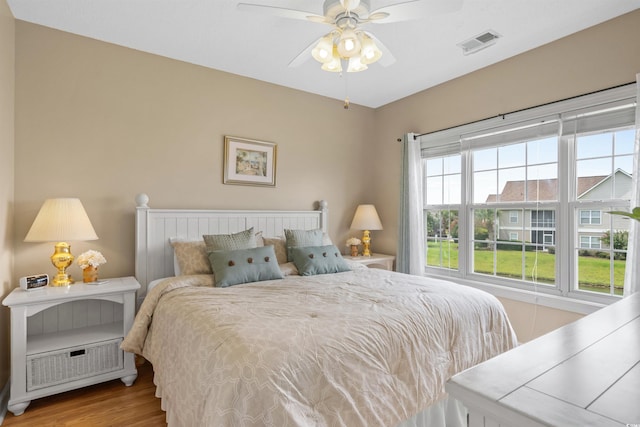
{"points": [[249, 162]]}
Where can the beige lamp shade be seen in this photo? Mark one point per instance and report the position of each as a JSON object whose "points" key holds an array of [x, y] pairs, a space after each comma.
{"points": [[61, 220], [366, 218]]}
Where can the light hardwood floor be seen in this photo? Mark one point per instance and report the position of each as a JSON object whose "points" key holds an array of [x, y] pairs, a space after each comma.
{"points": [[108, 404]]}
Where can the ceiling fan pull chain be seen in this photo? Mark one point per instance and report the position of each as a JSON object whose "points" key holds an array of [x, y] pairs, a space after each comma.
{"points": [[346, 91]]}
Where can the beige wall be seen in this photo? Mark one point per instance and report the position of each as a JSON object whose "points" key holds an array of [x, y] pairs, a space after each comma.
{"points": [[7, 42], [597, 58], [531, 321], [103, 123]]}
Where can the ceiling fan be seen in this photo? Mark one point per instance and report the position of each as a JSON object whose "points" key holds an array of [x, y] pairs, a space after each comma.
{"points": [[347, 42]]}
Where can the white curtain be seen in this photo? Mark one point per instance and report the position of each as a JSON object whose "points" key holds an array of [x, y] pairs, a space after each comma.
{"points": [[410, 257], [632, 270]]}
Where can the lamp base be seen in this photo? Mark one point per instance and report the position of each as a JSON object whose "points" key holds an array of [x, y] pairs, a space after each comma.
{"points": [[366, 242], [62, 259], [61, 280]]}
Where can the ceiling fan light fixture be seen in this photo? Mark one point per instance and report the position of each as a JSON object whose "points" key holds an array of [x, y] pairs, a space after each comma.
{"points": [[349, 44], [355, 65], [323, 51], [347, 39], [369, 52], [334, 65]]}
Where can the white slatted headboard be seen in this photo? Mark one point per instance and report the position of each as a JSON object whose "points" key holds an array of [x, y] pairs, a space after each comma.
{"points": [[154, 228]]}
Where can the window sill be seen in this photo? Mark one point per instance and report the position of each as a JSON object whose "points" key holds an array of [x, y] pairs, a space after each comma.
{"points": [[558, 302]]}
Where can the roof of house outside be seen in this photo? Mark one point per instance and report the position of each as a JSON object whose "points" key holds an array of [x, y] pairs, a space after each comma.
{"points": [[540, 189]]}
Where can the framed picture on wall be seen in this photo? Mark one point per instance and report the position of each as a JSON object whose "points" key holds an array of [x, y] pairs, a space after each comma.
{"points": [[249, 162]]}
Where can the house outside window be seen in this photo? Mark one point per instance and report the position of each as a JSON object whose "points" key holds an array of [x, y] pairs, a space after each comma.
{"points": [[531, 212]]}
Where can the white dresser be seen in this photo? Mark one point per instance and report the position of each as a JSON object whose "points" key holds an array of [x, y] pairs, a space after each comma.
{"points": [[584, 374]]}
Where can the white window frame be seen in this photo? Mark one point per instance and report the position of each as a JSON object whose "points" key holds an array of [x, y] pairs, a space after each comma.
{"points": [[562, 297], [514, 217], [513, 236]]}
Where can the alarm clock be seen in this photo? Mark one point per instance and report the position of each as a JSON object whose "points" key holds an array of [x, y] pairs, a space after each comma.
{"points": [[37, 281]]}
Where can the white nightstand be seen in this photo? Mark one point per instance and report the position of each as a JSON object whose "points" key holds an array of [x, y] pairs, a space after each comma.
{"points": [[382, 261], [69, 337]]}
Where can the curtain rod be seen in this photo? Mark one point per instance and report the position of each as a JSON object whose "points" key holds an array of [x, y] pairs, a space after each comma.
{"points": [[522, 109]]}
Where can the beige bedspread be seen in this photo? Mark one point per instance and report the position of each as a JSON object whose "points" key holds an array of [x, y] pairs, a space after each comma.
{"points": [[361, 348]]}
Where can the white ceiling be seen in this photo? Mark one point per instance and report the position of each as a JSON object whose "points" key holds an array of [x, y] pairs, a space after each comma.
{"points": [[215, 34]]}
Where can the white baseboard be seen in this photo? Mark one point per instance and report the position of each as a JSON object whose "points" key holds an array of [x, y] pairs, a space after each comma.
{"points": [[4, 400]]}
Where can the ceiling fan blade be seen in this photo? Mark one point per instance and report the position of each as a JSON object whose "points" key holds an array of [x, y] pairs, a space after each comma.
{"points": [[319, 19], [375, 17], [281, 12], [303, 56], [387, 57], [415, 9]]}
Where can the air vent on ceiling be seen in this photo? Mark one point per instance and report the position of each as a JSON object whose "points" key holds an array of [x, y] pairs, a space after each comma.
{"points": [[479, 42]]}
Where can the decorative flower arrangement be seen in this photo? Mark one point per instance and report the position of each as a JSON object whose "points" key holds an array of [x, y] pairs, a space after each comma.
{"points": [[353, 241], [90, 259]]}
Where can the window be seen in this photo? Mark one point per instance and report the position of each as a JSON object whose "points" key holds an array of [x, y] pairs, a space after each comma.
{"points": [[603, 162], [442, 178], [521, 173], [590, 242], [522, 201], [543, 219], [588, 217]]}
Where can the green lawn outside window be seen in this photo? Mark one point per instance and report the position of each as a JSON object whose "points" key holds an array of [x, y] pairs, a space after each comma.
{"points": [[594, 273]]}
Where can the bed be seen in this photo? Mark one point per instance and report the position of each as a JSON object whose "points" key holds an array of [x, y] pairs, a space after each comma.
{"points": [[342, 346]]}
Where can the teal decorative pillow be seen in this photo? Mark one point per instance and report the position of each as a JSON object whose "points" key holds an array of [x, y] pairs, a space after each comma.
{"points": [[312, 260], [227, 242], [244, 265], [298, 238]]}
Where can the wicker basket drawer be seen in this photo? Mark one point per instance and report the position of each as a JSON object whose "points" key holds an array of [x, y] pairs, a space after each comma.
{"points": [[70, 364]]}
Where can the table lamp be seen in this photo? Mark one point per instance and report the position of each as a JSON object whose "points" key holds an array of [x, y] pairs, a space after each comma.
{"points": [[61, 220], [366, 218]]}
